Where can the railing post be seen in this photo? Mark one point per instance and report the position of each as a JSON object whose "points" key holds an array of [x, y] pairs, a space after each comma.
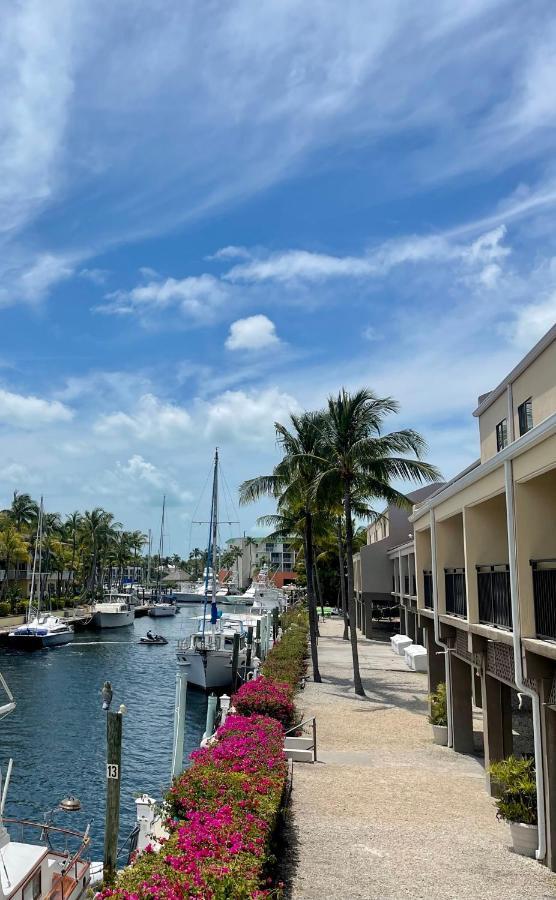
{"points": [[211, 716], [314, 739], [249, 652], [224, 707], [235, 662]]}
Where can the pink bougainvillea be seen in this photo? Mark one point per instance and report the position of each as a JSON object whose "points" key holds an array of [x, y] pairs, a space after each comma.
{"points": [[266, 697]]}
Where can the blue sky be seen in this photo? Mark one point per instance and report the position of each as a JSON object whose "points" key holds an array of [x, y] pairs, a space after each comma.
{"points": [[212, 214]]}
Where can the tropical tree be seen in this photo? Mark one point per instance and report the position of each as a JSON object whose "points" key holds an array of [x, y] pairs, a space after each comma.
{"points": [[364, 462], [97, 529], [291, 484], [250, 543], [71, 531], [13, 549], [237, 553], [23, 511]]}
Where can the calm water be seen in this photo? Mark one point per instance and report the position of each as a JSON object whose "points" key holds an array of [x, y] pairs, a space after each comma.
{"points": [[57, 734]]}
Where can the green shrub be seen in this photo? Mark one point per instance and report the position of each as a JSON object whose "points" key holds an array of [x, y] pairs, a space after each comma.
{"points": [[22, 607], [5, 608], [439, 707], [286, 660], [518, 789]]}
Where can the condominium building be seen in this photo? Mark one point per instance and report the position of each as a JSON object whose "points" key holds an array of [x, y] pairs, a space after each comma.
{"points": [[484, 562], [277, 555]]}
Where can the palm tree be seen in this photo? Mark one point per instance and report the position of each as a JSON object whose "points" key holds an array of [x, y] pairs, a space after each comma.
{"points": [[363, 462], [23, 511], [291, 485], [97, 528], [13, 548], [250, 542], [237, 553], [71, 529]]}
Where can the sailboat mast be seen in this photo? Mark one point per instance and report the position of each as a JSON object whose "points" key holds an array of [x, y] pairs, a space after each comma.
{"points": [[214, 524], [40, 557], [32, 593]]}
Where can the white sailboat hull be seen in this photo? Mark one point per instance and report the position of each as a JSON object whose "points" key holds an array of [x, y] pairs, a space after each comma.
{"points": [[162, 609], [113, 619], [209, 669]]}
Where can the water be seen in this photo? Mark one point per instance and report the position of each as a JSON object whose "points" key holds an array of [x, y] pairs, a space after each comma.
{"points": [[57, 734]]}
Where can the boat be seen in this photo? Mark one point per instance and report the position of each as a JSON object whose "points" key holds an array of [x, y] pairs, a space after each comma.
{"points": [[261, 595], [55, 865], [153, 640], [162, 604], [208, 651], [113, 611], [39, 631], [162, 608]]}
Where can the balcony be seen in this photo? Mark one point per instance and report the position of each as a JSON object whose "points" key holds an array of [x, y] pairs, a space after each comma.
{"points": [[544, 595], [427, 579], [456, 597], [406, 584], [495, 603]]}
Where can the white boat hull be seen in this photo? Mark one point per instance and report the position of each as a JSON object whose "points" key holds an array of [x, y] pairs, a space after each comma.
{"points": [[209, 669], [158, 611], [37, 642], [113, 619]]}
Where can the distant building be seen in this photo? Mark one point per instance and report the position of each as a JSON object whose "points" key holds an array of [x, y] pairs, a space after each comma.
{"points": [[278, 555]]}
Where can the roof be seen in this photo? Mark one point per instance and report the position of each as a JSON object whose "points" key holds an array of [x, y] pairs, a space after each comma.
{"points": [[486, 400]]}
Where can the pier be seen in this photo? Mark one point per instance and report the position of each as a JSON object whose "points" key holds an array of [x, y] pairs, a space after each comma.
{"points": [[386, 814]]}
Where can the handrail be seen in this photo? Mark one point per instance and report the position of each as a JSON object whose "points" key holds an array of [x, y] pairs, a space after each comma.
{"points": [[301, 724], [313, 721]]}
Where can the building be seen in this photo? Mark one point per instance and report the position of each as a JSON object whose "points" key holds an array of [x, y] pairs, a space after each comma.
{"points": [[484, 561], [278, 555], [380, 593]]}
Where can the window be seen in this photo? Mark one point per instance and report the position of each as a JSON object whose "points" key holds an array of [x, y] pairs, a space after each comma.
{"points": [[525, 415], [32, 889], [501, 434]]}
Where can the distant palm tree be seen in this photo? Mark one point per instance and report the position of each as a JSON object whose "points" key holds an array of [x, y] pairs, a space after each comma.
{"points": [[71, 531], [250, 542], [13, 549], [23, 510]]}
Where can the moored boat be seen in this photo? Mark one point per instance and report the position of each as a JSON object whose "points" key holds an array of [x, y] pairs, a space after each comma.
{"points": [[162, 608], [114, 611]]}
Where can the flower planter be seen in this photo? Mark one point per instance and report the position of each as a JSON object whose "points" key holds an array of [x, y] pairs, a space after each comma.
{"points": [[525, 838], [440, 735]]}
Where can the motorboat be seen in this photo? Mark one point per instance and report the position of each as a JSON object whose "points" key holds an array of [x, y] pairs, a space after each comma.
{"points": [[208, 653], [261, 595], [163, 607], [54, 865], [152, 640], [114, 611], [39, 631]]}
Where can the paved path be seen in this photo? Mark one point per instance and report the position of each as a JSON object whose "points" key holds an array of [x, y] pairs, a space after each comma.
{"points": [[385, 813]]}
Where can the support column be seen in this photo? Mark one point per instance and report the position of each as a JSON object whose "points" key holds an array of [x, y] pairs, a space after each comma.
{"points": [[548, 722], [368, 617], [436, 659], [497, 723], [462, 710]]}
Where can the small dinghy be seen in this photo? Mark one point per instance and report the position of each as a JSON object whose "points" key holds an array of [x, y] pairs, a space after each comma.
{"points": [[153, 639]]}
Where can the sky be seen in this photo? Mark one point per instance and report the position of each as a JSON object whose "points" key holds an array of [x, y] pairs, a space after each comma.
{"points": [[214, 214]]}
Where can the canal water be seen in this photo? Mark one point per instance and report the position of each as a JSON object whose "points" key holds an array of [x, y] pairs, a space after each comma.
{"points": [[57, 734]]}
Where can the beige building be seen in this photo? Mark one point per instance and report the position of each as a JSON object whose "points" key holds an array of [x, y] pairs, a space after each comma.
{"points": [[484, 560], [277, 555]]}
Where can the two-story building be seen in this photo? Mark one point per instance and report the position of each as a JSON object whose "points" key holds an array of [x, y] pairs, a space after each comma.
{"points": [[277, 555], [485, 569]]}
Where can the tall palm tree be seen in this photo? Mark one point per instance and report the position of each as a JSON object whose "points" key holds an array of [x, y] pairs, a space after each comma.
{"points": [[97, 528], [250, 542], [71, 530], [13, 548], [291, 485], [23, 511], [364, 462]]}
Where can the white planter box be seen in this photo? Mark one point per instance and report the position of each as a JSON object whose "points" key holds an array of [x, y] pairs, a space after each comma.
{"points": [[440, 735], [399, 642], [416, 658], [525, 838]]}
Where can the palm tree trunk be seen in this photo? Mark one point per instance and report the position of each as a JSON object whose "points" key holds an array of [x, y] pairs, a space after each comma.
{"points": [[357, 683], [342, 567], [317, 585], [311, 604]]}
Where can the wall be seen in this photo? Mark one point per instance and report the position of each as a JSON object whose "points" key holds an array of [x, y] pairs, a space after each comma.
{"points": [[539, 382], [485, 543], [487, 426], [535, 504]]}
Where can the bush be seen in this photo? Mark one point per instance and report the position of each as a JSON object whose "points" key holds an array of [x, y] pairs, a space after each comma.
{"points": [[21, 607], [223, 812], [518, 798], [439, 708], [5, 608], [266, 697], [286, 661]]}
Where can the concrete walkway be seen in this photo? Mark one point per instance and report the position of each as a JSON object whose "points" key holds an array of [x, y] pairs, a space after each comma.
{"points": [[385, 813]]}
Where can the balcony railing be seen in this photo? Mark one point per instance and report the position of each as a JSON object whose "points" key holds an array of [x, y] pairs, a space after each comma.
{"points": [[406, 584], [456, 597], [544, 596], [427, 578], [495, 602]]}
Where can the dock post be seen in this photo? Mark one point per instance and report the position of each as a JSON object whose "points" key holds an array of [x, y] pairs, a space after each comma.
{"points": [[249, 653], [235, 662], [224, 707], [275, 614], [113, 782], [211, 716], [179, 719], [258, 639]]}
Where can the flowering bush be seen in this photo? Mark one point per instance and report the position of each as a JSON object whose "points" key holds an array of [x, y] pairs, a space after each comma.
{"points": [[267, 698], [223, 812]]}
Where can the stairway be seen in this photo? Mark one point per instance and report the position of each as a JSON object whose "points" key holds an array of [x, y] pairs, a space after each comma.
{"points": [[299, 749]]}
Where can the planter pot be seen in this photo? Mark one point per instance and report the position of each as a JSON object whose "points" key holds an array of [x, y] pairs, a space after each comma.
{"points": [[440, 735], [525, 838]]}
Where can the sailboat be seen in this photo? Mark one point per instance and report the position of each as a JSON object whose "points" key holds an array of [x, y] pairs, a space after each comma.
{"points": [[39, 631], [208, 651], [162, 605]]}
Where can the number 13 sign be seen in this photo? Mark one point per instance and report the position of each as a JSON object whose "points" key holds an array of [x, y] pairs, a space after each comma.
{"points": [[112, 771]]}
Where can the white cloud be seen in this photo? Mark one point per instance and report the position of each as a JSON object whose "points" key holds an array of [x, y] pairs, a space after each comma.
{"points": [[151, 420], [231, 252], [195, 297], [28, 278], [140, 474], [532, 321], [97, 276], [370, 333], [253, 333], [29, 412], [246, 416]]}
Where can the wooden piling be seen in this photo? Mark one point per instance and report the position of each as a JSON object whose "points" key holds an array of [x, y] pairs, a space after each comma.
{"points": [[258, 639], [113, 782], [235, 661], [249, 647]]}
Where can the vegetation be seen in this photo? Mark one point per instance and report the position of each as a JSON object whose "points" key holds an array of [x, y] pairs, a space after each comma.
{"points": [[336, 463], [286, 662], [438, 706], [518, 789], [266, 697]]}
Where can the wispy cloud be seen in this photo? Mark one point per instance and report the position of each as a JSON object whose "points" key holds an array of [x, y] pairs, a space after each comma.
{"points": [[29, 412], [195, 297]]}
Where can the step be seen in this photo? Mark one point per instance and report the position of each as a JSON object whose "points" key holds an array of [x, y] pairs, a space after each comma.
{"points": [[298, 743], [299, 755], [399, 642]]}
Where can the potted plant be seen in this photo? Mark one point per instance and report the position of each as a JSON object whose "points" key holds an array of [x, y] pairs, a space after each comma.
{"points": [[439, 715], [517, 803]]}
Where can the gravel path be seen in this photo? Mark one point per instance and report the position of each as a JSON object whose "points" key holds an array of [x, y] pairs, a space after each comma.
{"points": [[385, 814]]}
